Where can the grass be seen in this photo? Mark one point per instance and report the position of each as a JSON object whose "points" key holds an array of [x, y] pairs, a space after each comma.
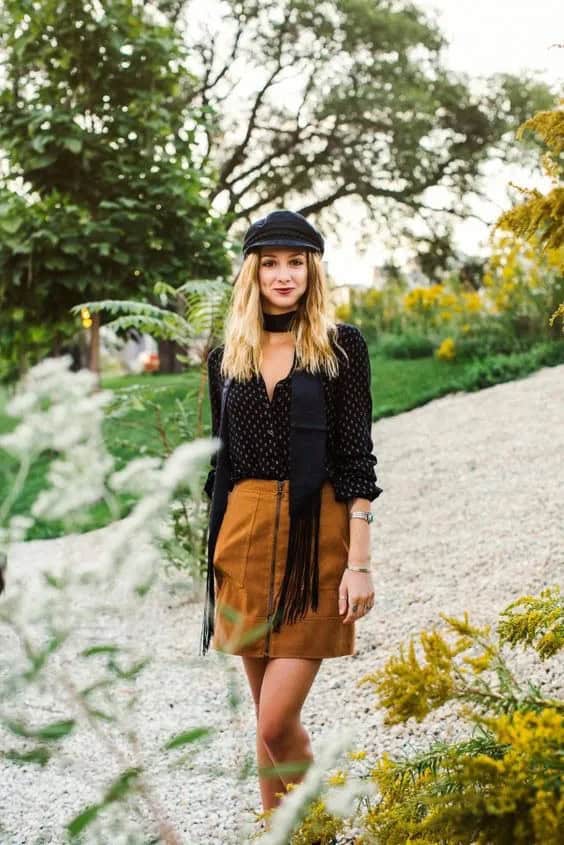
{"points": [[152, 402], [127, 436], [399, 384]]}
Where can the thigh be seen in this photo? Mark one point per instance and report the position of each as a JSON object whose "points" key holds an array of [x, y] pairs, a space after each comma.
{"points": [[254, 669], [285, 686]]}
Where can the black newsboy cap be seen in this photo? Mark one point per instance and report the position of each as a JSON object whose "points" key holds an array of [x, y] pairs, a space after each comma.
{"points": [[285, 229]]}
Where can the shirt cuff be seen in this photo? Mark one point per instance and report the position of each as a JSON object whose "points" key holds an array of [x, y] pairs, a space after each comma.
{"points": [[350, 488]]}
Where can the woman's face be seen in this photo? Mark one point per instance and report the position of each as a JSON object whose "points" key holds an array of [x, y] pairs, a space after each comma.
{"points": [[282, 278]]}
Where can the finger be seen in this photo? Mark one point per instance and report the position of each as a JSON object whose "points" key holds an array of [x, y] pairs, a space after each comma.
{"points": [[349, 617], [342, 600], [352, 614], [364, 608]]}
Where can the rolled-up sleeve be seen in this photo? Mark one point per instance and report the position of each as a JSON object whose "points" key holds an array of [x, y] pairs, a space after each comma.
{"points": [[214, 388], [354, 459]]}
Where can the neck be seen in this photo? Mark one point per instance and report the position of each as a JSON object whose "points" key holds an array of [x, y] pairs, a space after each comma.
{"points": [[278, 322]]}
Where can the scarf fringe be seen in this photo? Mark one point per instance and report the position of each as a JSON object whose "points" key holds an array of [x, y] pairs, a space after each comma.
{"points": [[209, 611], [300, 586]]}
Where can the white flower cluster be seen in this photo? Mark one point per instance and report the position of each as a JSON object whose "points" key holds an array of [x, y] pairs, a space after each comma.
{"points": [[341, 800], [62, 411], [132, 546], [58, 409]]}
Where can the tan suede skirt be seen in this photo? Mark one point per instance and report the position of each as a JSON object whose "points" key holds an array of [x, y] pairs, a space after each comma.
{"points": [[249, 562]]}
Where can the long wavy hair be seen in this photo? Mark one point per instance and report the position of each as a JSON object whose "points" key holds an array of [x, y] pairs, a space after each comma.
{"points": [[313, 327]]}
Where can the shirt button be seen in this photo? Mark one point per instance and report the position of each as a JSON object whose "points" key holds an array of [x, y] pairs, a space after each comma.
{"points": [[270, 431]]}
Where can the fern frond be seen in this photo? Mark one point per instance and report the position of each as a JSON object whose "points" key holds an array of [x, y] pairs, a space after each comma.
{"points": [[125, 306], [171, 327]]}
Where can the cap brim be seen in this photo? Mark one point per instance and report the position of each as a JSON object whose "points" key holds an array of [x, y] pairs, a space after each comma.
{"points": [[282, 242]]}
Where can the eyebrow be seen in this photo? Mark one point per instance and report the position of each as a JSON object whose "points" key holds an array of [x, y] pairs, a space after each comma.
{"points": [[271, 255]]}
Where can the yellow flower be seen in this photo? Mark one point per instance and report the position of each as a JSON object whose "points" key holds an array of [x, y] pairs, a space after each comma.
{"points": [[472, 301], [357, 755], [446, 351]]}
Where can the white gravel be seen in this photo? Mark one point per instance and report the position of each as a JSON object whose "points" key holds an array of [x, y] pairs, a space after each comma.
{"points": [[470, 518]]}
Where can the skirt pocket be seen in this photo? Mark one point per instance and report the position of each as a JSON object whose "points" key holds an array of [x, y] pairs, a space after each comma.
{"points": [[232, 546]]}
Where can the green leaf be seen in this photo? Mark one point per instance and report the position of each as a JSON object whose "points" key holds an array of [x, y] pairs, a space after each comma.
{"points": [[73, 144], [128, 673], [80, 822], [38, 659], [124, 784], [121, 787], [99, 649], [100, 714], [53, 581], [40, 162], [56, 730], [11, 225], [39, 755], [193, 735]]}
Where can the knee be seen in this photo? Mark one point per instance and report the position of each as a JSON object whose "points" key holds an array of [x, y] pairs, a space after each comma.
{"points": [[275, 732]]}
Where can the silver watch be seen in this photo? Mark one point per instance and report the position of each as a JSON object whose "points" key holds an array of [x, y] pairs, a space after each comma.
{"points": [[367, 515]]}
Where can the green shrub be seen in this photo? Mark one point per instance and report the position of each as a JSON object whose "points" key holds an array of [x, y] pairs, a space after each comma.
{"points": [[499, 368], [489, 343], [407, 345]]}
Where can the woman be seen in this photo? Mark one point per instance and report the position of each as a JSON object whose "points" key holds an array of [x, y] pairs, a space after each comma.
{"points": [[291, 485]]}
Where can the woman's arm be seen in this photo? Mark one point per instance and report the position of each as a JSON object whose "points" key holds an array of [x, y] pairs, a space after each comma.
{"points": [[356, 477], [355, 460], [360, 535]]}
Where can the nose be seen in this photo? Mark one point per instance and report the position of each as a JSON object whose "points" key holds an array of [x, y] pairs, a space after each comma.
{"points": [[284, 275]]}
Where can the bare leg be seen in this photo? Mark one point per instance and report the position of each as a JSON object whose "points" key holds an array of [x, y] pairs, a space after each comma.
{"points": [[269, 784], [284, 688]]}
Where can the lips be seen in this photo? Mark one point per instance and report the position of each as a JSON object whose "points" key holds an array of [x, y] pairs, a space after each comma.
{"points": [[283, 290]]}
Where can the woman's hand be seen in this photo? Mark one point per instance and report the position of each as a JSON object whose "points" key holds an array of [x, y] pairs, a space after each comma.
{"points": [[355, 590]]}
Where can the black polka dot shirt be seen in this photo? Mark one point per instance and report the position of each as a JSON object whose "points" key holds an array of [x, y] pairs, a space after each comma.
{"points": [[259, 430]]}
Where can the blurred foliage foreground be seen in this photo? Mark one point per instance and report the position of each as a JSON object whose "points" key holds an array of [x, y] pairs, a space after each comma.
{"points": [[501, 785]]}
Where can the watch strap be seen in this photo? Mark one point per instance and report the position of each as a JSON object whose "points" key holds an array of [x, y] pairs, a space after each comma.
{"points": [[367, 515]]}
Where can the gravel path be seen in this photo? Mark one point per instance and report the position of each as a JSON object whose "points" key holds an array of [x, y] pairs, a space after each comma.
{"points": [[471, 518]]}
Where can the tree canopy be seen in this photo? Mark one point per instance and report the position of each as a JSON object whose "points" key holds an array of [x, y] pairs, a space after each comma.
{"points": [[100, 195], [316, 102]]}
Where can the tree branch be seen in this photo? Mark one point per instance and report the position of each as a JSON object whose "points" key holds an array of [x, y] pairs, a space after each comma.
{"points": [[239, 151]]}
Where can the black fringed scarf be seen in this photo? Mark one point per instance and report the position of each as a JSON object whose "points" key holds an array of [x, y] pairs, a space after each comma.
{"points": [[308, 443]]}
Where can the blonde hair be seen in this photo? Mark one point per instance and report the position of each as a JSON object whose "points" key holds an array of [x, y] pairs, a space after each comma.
{"points": [[313, 327]]}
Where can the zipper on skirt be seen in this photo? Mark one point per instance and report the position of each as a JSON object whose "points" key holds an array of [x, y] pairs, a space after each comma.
{"points": [[279, 487]]}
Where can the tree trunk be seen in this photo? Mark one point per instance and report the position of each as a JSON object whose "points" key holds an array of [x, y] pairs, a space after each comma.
{"points": [[168, 362]]}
